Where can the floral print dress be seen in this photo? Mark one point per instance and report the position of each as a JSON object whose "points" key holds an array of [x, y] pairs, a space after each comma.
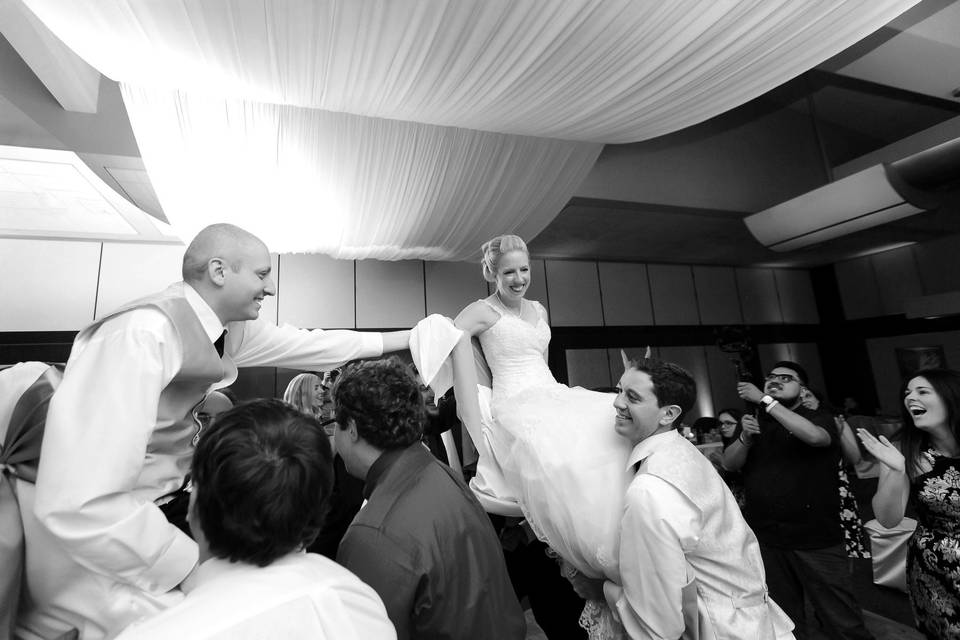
{"points": [[933, 557], [854, 536]]}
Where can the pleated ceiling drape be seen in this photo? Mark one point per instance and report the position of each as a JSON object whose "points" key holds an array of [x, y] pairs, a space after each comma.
{"points": [[400, 129]]}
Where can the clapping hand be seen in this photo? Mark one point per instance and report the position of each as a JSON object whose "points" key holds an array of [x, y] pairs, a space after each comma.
{"points": [[882, 450]]}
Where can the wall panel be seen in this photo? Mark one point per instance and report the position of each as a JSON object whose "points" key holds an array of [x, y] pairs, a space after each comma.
{"points": [[588, 368], [717, 296], [898, 279], [131, 271], [49, 285], [937, 262], [317, 292], [389, 294], [859, 293], [758, 296], [574, 293], [453, 285], [795, 292], [625, 291], [673, 294]]}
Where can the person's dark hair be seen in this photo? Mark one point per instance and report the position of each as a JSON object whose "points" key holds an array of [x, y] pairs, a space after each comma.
{"points": [[263, 472], [946, 382], [793, 366], [737, 415], [672, 384], [383, 401]]}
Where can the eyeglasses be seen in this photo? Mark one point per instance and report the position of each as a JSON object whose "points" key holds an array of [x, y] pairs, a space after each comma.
{"points": [[783, 378], [728, 423]]}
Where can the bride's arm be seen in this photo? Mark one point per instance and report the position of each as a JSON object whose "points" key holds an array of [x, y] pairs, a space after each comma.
{"points": [[476, 318], [465, 387]]}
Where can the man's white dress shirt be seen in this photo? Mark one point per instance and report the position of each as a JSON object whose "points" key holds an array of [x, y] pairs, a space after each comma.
{"points": [[689, 564], [299, 596], [100, 552]]}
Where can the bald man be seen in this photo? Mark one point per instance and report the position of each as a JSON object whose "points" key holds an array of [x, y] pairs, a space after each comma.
{"points": [[120, 433]]}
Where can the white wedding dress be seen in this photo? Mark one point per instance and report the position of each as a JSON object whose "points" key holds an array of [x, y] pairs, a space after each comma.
{"points": [[556, 447]]}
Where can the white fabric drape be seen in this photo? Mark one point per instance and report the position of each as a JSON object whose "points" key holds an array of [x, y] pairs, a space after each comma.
{"points": [[345, 185], [591, 71], [597, 70]]}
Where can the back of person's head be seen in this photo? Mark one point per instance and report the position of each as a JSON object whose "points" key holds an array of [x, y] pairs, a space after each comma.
{"points": [[262, 474], [946, 384], [221, 240], [494, 249], [300, 392], [795, 367], [672, 384], [384, 402]]}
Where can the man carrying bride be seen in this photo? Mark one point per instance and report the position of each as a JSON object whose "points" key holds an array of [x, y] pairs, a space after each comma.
{"points": [[567, 458], [690, 566]]}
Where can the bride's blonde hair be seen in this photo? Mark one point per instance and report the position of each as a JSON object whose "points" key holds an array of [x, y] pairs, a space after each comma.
{"points": [[494, 249]]}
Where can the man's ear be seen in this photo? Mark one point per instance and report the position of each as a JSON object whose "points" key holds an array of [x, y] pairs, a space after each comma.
{"points": [[669, 414], [216, 270], [352, 431]]}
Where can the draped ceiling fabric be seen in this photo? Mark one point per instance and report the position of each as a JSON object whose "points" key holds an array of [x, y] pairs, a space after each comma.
{"points": [[399, 129]]}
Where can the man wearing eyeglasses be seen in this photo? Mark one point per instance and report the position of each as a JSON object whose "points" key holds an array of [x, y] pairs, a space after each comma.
{"points": [[788, 456]]}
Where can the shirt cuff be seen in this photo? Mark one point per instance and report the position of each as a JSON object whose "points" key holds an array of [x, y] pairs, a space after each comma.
{"points": [[171, 567]]}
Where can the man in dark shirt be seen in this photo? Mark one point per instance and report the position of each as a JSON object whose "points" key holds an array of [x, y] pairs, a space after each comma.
{"points": [[789, 457], [422, 541]]}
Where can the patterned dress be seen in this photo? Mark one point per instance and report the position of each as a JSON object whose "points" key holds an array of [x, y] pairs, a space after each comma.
{"points": [[853, 533], [933, 557]]}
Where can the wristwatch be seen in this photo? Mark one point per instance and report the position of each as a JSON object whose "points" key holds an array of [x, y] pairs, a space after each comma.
{"points": [[768, 402]]}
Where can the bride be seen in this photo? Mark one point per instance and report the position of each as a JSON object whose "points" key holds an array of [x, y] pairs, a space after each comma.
{"points": [[555, 445]]}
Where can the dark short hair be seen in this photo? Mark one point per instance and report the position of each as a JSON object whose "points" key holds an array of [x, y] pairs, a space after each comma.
{"points": [[946, 382], [383, 401], [796, 368], [672, 384], [263, 473]]}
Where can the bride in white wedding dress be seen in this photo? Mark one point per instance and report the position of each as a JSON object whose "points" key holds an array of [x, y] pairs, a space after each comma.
{"points": [[556, 445]]}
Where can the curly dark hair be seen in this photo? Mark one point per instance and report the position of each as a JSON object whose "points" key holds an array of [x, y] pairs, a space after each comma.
{"points": [[383, 401], [946, 382], [263, 473], [672, 384]]}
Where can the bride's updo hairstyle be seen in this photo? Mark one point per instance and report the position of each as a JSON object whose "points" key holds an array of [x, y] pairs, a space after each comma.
{"points": [[494, 249]]}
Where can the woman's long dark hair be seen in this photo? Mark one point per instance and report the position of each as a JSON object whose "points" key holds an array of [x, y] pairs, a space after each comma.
{"points": [[737, 415], [946, 383]]}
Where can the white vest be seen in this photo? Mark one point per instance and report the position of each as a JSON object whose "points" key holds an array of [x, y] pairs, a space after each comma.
{"points": [[729, 582], [65, 594]]}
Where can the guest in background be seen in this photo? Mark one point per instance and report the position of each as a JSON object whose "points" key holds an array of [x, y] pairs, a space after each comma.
{"points": [[927, 472], [854, 535], [261, 478], [729, 432], [422, 541], [305, 393], [789, 459], [347, 496]]}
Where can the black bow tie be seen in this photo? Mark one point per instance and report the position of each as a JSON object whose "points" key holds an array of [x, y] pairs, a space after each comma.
{"points": [[218, 344]]}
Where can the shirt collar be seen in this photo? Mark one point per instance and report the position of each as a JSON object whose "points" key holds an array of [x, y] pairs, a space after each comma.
{"points": [[216, 568], [649, 446], [380, 467], [208, 319]]}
